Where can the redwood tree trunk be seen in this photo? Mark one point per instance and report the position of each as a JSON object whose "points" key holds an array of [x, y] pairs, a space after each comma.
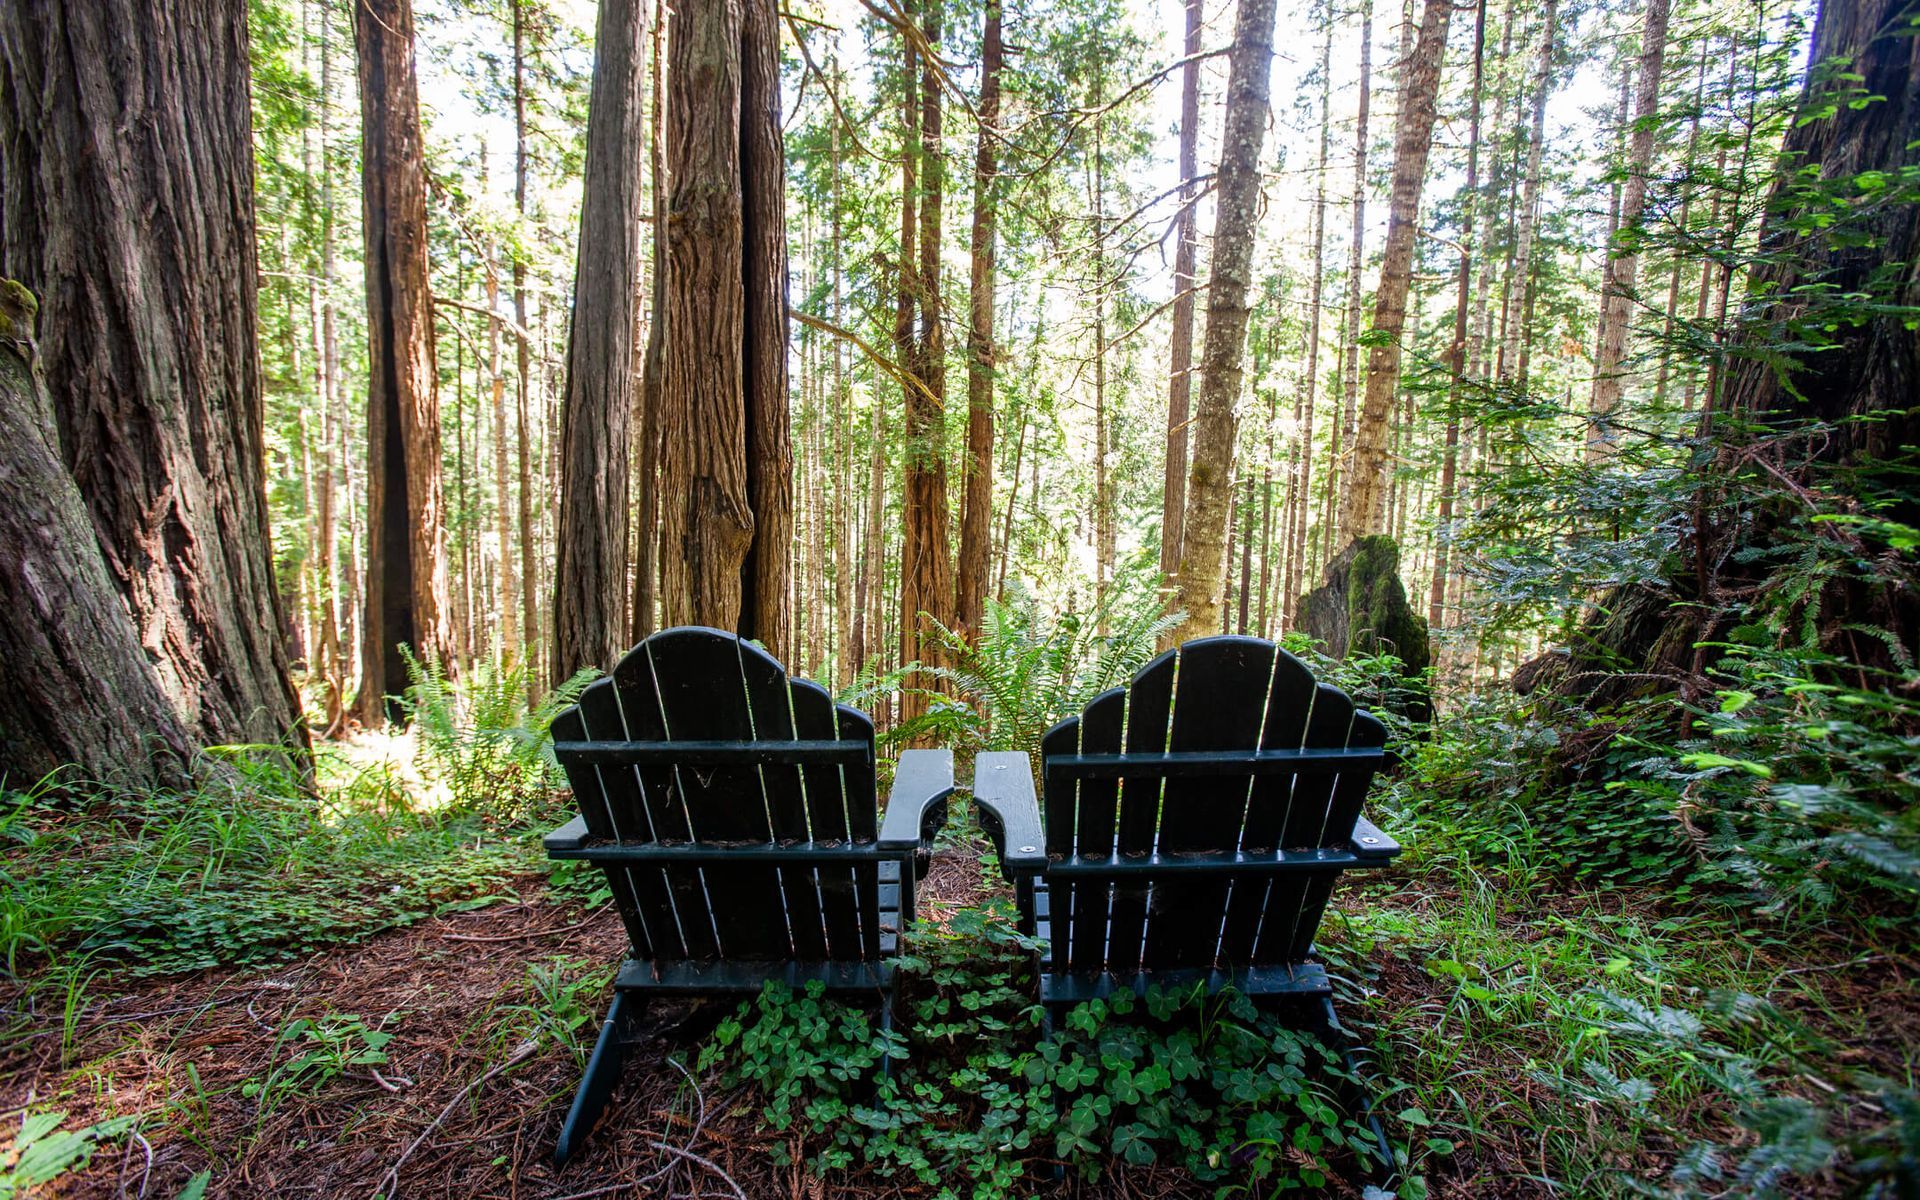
{"points": [[1210, 480], [127, 152], [76, 688], [970, 577], [769, 442], [590, 578], [926, 568], [1364, 504], [407, 590], [725, 482]]}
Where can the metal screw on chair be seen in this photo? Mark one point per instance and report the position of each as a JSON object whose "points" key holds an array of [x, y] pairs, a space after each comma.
{"points": [[1026, 849], [1369, 840]]}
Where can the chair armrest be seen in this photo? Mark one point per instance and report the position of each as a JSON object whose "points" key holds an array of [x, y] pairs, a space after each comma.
{"points": [[569, 837], [1009, 811], [1370, 843], [917, 805]]}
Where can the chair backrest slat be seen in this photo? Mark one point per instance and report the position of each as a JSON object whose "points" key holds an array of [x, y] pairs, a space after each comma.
{"points": [[1226, 745], [699, 736]]}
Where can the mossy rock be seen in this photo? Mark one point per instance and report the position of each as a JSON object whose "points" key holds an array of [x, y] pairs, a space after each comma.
{"points": [[1362, 608]]}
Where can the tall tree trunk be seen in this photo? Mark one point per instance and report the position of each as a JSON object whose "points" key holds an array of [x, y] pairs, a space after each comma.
{"points": [[1457, 351], [1617, 289], [970, 576], [646, 458], [1296, 540], [726, 477], [769, 445], [407, 590], [1173, 511], [530, 639], [76, 687], [926, 569], [333, 668], [590, 577], [1341, 431], [1363, 507], [1210, 479], [1512, 351], [135, 228]]}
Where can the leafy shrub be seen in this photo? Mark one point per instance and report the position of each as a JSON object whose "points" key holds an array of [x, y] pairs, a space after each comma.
{"points": [[1029, 668], [976, 1095], [229, 873], [482, 739]]}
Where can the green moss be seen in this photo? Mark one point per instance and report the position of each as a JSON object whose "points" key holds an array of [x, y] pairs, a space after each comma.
{"points": [[1379, 618]]}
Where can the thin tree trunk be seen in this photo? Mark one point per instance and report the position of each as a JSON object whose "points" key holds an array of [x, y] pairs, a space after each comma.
{"points": [[1340, 432], [1173, 508], [333, 416], [1457, 352], [590, 576], [1211, 476], [1623, 262], [1512, 353], [530, 636], [135, 229], [646, 573], [1363, 508], [1316, 295]]}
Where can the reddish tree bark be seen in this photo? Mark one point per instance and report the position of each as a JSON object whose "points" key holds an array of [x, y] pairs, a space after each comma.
{"points": [[126, 148]]}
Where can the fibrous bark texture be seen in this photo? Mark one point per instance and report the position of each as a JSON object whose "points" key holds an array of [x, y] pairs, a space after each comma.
{"points": [[970, 576], [126, 149], [76, 688], [726, 469], [590, 578], [407, 590], [1364, 505], [1210, 479]]}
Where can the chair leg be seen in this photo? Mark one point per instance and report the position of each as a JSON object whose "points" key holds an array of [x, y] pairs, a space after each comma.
{"points": [[603, 1073], [1058, 1172], [1335, 1037]]}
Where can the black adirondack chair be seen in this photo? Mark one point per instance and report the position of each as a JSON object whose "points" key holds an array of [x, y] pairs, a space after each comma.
{"points": [[733, 811], [1196, 821]]}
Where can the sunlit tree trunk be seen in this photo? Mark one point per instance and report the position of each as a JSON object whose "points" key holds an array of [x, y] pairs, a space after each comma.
{"points": [[1363, 506], [1512, 351], [1180, 357], [1457, 352], [1341, 424], [1210, 479], [590, 576], [1623, 261], [926, 568], [970, 575]]}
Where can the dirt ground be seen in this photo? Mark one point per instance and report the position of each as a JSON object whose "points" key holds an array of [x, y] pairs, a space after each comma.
{"points": [[462, 1107]]}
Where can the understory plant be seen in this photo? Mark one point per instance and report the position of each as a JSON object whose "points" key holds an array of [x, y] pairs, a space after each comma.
{"points": [[482, 739], [968, 1093]]}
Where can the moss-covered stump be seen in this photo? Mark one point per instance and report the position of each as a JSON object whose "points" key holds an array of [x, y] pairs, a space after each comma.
{"points": [[1362, 609]]}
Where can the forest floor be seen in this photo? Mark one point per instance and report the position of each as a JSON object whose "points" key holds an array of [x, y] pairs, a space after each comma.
{"points": [[438, 1059]]}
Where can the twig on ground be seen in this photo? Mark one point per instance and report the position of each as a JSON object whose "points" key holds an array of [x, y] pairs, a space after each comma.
{"points": [[708, 1163], [521, 1053]]}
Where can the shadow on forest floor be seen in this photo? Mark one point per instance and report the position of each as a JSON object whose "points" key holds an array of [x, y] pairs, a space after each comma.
{"points": [[470, 1029]]}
